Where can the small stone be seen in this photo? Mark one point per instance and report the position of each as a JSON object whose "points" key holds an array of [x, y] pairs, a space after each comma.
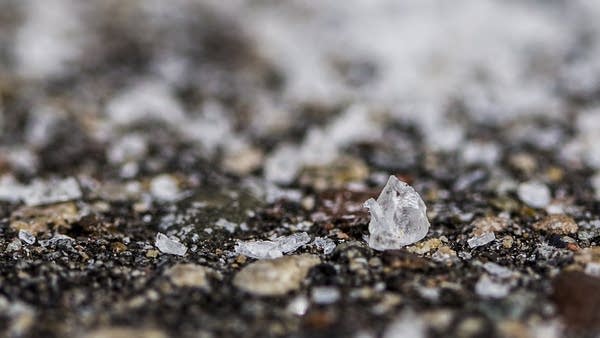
{"points": [[425, 247], [189, 275], [325, 244], [557, 224], [535, 194], [275, 277], [35, 220], [481, 240], [118, 247], [169, 246], [483, 225], [398, 217], [274, 248], [152, 253], [165, 188], [488, 288], [243, 161], [26, 237], [125, 332], [325, 295]]}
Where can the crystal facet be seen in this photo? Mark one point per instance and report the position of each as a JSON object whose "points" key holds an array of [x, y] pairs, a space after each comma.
{"points": [[169, 246], [274, 248], [398, 217]]}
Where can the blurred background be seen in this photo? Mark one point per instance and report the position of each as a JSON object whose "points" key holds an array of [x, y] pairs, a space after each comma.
{"points": [[268, 87]]}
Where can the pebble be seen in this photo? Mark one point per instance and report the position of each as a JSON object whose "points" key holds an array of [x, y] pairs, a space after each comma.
{"points": [[189, 275], [125, 332], [275, 277], [483, 225], [534, 193], [557, 224]]}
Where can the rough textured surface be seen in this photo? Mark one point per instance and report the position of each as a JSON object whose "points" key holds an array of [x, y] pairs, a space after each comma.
{"points": [[223, 122]]}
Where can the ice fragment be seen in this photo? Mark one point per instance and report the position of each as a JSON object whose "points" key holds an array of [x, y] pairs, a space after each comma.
{"points": [[274, 248], [481, 240], [398, 216], [169, 246], [26, 236]]}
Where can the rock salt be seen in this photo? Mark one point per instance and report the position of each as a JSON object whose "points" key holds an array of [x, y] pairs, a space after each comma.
{"points": [[227, 225], [26, 236], [325, 244], [398, 216], [169, 246], [481, 240], [274, 248], [535, 194]]}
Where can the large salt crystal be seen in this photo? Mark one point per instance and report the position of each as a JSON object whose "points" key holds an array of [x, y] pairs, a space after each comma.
{"points": [[398, 217], [169, 246], [274, 248]]}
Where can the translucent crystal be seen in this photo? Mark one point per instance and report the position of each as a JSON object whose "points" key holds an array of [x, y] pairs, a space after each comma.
{"points": [[274, 248], [26, 236], [227, 225], [169, 246], [398, 216], [164, 188], [325, 244], [325, 294], [481, 240]]}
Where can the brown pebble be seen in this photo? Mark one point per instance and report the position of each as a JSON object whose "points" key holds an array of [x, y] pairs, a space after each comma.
{"points": [[483, 225], [557, 224], [118, 247], [577, 299], [401, 259]]}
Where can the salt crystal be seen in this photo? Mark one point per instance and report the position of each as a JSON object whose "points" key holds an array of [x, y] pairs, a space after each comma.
{"points": [[325, 244], [26, 236], [497, 270], [52, 191], [10, 189], [164, 188], [169, 246], [274, 248], [398, 217], [486, 287], [325, 294], [535, 194], [57, 238], [481, 240], [15, 245]]}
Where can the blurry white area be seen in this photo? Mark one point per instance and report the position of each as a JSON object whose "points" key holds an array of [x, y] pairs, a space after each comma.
{"points": [[49, 39], [414, 60]]}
